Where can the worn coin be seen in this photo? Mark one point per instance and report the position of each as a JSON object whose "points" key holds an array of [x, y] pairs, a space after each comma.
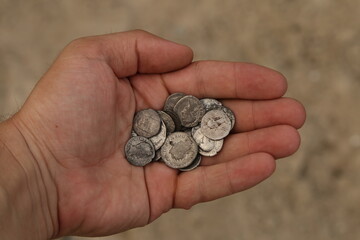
{"points": [[210, 103], [230, 115], [215, 124], [217, 147], [204, 143], [179, 150], [169, 122], [139, 151], [147, 123], [172, 100], [189, 110], [159, 139], [176, 120], [193, 165]]}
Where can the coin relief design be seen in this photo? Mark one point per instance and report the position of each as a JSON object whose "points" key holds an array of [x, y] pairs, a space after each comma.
{"points": [[189, 110], [215, 124], [147, 123], [139, 151]]}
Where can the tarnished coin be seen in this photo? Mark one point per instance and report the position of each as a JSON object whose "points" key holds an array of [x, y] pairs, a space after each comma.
{"points": [[215, 124], [193, 165], [204, 143], [172, 100], [217, 147], [159, 139], [147, 123], [176, 120], [139, 151], [230, 115], [189, 110], [169, 122], [210, 103], [179, 150]]}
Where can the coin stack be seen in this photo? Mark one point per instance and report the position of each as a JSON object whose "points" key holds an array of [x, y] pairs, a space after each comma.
{"points": [[186, 129]]}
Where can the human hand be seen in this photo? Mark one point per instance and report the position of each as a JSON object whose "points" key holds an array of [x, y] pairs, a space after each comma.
{"points": [[79, 117]]}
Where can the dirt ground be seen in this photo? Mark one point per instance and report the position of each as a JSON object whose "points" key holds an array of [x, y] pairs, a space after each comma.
{"points": [[315, 193]]}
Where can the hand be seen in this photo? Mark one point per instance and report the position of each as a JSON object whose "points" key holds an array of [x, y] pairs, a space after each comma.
{"points": [[79, 117]]}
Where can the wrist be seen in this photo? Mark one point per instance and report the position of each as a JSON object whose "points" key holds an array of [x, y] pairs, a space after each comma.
{"points": [[27, 193]]}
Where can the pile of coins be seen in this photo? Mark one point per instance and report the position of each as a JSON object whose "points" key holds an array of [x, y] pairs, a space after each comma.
{"points": [[186, 129]]}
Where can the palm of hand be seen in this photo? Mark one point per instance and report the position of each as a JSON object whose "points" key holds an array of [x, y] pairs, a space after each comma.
{"points": [[84, 112]]}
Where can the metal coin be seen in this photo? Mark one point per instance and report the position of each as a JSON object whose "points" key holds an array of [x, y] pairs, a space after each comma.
{"points": [[176, 120], [179, 150], [215, 124], [193, 165], [210, 103], [157, 156], [169, 122], [172, 100], [206, 144], [159, 139], [147, 123], [230, 115], [189, 110], [139, 151], [217, 147]]}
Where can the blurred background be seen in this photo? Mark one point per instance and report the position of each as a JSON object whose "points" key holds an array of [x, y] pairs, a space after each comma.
{"points": [[315, 193]]}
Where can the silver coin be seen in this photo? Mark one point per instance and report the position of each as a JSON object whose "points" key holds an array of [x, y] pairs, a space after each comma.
{"points": [[176, 120], [179, 150], [189, 110], [230, 115], [193, 165], [210, 103], [147, 123], [172, 100], [169, 122], [206, 144], [217, 147], [157, 156], [215, 124], [159, 139], [139, 151]]}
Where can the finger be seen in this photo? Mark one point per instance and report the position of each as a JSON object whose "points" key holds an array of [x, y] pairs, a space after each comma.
{"points": [[279, 141], [131, 52], [252, 115], [212, 182], [227, 80]]}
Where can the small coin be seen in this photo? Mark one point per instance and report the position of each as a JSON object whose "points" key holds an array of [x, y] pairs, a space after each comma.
{"points": [[189, 110], [147, 123], [215, 124], [139, 151], [179, 150], [217, 147], [176, 120], [159, 139], [206, 144], [172, 100], [210, 103], [169, 122], [230, 115], [193, 165]]}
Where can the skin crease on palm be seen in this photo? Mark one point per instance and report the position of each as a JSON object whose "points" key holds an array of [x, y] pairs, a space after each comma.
{"points": [[79, 116]]}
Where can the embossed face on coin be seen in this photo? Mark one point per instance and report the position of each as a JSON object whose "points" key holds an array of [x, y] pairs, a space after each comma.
{"points": [[179, 150], [139, 151], [189, 110], [215, 124], [147, 123]]}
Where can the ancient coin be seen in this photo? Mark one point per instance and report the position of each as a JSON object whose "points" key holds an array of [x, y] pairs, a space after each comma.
{"points": [[159, 139], [204, 143], [217, 147], [189, 110], [230, 115], [139, 151], [215, 124], [169, 122], [193, 165], [210, 103], [172, 100], [176, 120], [179, 150], [147, 123]]}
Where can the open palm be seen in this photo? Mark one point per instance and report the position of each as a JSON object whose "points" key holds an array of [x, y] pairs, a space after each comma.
{"points": [[80, 117]]}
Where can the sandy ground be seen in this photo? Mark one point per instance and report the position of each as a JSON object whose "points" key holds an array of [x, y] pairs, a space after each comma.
{"points": [[314, 194]]}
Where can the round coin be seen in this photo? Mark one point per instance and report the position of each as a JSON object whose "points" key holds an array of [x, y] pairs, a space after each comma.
{"points": [[217, 147], [189, 110], [230, 115], [139, 151], [210, 103], [169, 122], [159, 139], [215, 124], [193, 165], [147, 123], [179, 150], [176, 120], [172, 100], [206, 144]]}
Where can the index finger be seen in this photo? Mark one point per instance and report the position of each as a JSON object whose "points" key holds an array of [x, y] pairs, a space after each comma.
{"points": [[218, 79]]}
